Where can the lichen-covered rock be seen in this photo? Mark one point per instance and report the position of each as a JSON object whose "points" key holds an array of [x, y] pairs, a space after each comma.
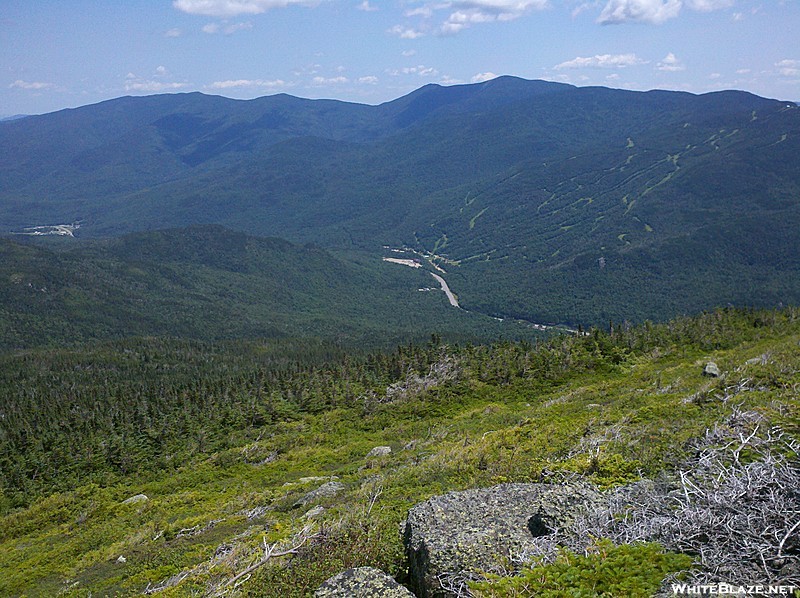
{"points": [[314, 512], [362, 582], [327, 490], [379, 451], [712, 370], [475, 530]]}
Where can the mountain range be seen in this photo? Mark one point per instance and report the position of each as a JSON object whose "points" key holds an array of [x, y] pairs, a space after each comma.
{"points": [[541, 201]]}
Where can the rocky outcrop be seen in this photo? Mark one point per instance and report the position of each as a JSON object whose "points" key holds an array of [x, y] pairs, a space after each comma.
{"points": [[476, 530], [362, 582], [327, 490]]}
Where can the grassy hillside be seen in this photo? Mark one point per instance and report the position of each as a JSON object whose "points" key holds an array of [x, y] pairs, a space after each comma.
{"points": [[226, 440]]}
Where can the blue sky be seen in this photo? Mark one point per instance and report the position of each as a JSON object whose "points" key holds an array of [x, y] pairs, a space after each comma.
{"points": [[59, 54]]}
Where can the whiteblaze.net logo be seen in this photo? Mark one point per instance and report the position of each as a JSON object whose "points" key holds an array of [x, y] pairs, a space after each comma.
{"points": [[729, 589]]}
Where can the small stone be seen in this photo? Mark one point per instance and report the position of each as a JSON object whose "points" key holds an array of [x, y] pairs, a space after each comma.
{"points": [[121, 559], [379, 451], [135, 499], [712, 370], [315, 512], [310, 479]]}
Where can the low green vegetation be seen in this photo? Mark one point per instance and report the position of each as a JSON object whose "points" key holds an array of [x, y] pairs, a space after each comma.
{"points": [[225, 441], [607, 571]]}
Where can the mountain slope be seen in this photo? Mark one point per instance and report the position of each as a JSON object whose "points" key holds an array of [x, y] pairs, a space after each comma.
{"points": [[549, 202], [213, 283], [186, 459]]}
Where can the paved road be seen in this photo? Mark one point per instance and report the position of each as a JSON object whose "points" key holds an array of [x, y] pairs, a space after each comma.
{"points": [[446, 289]]}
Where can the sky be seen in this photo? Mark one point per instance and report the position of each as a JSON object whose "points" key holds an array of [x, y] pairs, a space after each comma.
{"points": [[57, 54]]}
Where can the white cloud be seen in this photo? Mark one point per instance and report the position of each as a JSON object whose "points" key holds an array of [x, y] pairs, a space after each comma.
{"points": [[233, 83], [655, 11], [421, 70], [175, 32], [329, 81], [788, 68], [32, 85], [605, 61], [715, 76], [646, 11], [233, 8], [448, 80], [581, 8], [471, 12], [234, 27], [708, 5], [422, 11], [227, 28], [408, 53], [368, 80], [508, 8], [157, 82], [481, 77], [405, 33], [461, 19], [366, 6], [152, 86], [671, 64], [461, 14]]}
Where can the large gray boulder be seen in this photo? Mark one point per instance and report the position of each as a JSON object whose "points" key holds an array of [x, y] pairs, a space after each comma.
{"points": [[362, 582], [478, 530]]}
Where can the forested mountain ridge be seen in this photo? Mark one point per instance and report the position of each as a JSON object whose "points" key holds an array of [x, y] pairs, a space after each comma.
{"points": [[549, 202]]}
